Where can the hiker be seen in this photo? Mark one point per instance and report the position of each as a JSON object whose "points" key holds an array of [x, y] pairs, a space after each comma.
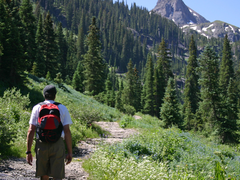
{"points": [[51, 129]]}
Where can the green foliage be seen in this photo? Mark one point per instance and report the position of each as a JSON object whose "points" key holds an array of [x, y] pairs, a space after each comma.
{"points": [[148, 107], [126, 121], [93, 62], [13, 118], [179, 155], [78, 77], [191, 89], [128, 109], [170, 113], [58, 79], [209, 108]]}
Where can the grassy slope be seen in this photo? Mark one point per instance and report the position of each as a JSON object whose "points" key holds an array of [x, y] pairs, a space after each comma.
{"points": [[83, 110]]}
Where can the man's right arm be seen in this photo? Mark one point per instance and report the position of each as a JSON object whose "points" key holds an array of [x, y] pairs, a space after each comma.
{"points": [[30, 136], [68, 140]]}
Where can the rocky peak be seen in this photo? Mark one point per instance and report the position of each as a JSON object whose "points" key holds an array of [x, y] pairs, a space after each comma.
{"points": [[177, 11]]}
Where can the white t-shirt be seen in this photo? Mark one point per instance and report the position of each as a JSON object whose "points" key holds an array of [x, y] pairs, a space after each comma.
{"points": [[64, 115]]}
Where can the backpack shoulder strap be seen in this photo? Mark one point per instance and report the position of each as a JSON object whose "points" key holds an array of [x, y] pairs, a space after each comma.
{"points": [[42, 103], [56, 103]]}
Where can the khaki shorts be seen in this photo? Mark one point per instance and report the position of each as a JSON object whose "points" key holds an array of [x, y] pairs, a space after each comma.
{"points": [[50, 159]]}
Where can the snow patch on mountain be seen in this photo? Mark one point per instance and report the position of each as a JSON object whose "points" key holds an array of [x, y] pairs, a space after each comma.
{"points": [[226, 28], [195, 14], [232, 28], [205, 29], [194, 28], [204, 35], [213, 30]]}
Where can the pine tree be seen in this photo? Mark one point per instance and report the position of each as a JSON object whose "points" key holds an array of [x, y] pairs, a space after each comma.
{"points": [[78, 78], [118, 100], [170, 113], [39, 68], [13, 61], [162, 73], [28, 20], [229, 128], [209, 107], [137, 90], [62, 49], [93, 62], [108, 91], [128, 91], [50, 46], [71, 62], [226, 68], [148, 107], [191, 90]]}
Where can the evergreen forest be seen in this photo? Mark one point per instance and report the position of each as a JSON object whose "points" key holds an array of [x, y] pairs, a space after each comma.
{"points": [[125, 58]]}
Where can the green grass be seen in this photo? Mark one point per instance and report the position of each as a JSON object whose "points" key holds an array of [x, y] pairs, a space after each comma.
{"points": [[159, 153]]}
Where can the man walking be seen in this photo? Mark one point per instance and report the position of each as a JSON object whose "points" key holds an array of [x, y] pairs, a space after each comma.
{"points": [[50, 153]]}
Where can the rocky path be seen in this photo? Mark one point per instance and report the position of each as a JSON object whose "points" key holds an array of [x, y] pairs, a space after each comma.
{"points": [[17, 168]]}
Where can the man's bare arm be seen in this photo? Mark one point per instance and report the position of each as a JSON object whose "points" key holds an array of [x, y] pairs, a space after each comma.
{"points": [[68, 140], [30, 136]]}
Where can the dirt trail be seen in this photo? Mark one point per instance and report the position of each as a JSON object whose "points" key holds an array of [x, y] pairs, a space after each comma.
{"points": [[17, 168]]}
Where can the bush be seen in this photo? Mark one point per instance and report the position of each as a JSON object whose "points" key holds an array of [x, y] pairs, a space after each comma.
{"points": [[12, 115], [125, 121], [130, 110]]}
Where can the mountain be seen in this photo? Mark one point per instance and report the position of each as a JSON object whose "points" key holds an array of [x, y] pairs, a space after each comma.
{"points": [[188, 20], [215, 29], [177, 11]]}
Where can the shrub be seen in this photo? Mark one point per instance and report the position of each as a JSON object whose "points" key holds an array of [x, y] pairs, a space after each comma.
{"points": [[125, 121], [130, 110], [12, 115]]}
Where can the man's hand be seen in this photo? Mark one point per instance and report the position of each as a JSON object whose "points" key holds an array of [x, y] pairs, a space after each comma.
{"points": [[29, 159], [68, 159]]}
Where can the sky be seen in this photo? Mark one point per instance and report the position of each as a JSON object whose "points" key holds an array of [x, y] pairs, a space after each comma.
{"points": [[223, 10]]}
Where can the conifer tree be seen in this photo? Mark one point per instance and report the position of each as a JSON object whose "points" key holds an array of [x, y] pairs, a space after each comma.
{"points": [[118, 103], [128, 91], [62, 49], [229, 128], [93, 62], [162, 73], [108, 91], [78, 78], [170, 113], [191, 90], [50, 46], [209, 107], [137, 90], [71, 62], [226, 68], [13, 61], [39, 64], [148, 107], [28, 20]]}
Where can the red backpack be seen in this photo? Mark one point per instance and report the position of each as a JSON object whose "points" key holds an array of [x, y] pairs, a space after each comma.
{"points": [[49, 126]]}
